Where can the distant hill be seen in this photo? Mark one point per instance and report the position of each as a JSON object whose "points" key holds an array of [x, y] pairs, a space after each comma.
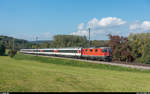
{"points": [[21, 43], [18, 43], [40, 41], [7, 38]]}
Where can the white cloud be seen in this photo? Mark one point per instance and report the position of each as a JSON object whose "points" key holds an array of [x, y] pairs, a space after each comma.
{"points": [[111, 21], [106, 22], [110, 25], [137, 27], [99, 28], [81, 31], [134, 26], [145, 26], [93, 23]]}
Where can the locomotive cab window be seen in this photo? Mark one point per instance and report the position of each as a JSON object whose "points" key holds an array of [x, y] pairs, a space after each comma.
{"points": [[104, 50], [96, 50], [86, 50]]}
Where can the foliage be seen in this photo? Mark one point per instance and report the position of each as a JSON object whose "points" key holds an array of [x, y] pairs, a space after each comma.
{"points": [[146, 53], [61, 41], [133, 48], [138, 42], [45, 45], [98, 43], [121, 50], [18, 43], [2, 49], [12, 53], [41, 44]]}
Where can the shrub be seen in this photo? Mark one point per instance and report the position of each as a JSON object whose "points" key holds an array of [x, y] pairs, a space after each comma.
{"points": [[12, 53], [2, 50], [121, 50], [146, 53]]}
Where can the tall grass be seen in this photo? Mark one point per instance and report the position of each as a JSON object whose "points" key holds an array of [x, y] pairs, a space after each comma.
{"points": [[68, 62]]}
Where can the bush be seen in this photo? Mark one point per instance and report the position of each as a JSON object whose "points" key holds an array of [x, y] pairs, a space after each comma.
{"points": [[12, 53], [2, 50], [121, 50], [146, 53]]}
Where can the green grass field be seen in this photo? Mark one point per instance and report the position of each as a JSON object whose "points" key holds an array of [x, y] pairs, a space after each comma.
{"points": [[25, 73]]}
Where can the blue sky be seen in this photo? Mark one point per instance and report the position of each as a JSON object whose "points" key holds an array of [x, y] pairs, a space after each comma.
{"points": [[27, 19]]}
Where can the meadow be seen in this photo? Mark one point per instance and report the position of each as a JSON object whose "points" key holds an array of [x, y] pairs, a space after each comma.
{"points": [[26, 73]]}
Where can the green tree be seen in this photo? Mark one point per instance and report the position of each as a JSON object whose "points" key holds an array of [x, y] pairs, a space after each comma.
{"points": [[98, 43], [12, 53], [2, 49], [138, 42], [61, 41], [121, 49], [44, 45], [146, 53]]}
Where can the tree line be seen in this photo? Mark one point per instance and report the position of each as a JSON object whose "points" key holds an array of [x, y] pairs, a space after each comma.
{"points": [[61, 41], [10, 42], [134, 48]]}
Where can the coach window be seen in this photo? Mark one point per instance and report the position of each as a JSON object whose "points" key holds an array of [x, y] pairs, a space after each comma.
{"points": [[91, 50]]}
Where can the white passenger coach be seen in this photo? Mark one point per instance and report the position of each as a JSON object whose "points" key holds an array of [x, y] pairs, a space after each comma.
{"points": [[54, 51]]}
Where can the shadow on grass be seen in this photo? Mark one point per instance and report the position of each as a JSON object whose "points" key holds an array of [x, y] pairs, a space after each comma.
{"points": [[6, 55]]}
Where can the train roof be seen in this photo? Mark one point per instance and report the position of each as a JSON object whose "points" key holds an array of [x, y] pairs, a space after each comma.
{"points": [[97, 47], [68, 48], [54, 48]]}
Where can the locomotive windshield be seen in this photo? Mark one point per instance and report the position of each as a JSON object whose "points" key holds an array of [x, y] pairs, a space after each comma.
{"points": [[107, 50], [104, 50]]}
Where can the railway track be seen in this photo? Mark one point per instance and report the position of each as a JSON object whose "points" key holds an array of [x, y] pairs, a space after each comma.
{"points": [[102, 62]]}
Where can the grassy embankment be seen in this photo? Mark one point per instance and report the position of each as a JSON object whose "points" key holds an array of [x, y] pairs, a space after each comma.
{"points": [[31, 73]]}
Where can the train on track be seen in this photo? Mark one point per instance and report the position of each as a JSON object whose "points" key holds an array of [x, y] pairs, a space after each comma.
{"points": [[94, 53]]}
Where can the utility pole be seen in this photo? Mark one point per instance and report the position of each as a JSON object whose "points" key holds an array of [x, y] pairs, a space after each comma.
{"points": [[89, 38]]}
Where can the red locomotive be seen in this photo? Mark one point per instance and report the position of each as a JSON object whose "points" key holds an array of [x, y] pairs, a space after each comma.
{"points": [[102, 53]]}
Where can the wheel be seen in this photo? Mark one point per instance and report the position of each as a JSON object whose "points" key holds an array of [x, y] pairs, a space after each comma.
{"points": [[110, 59], [106, 60]]}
